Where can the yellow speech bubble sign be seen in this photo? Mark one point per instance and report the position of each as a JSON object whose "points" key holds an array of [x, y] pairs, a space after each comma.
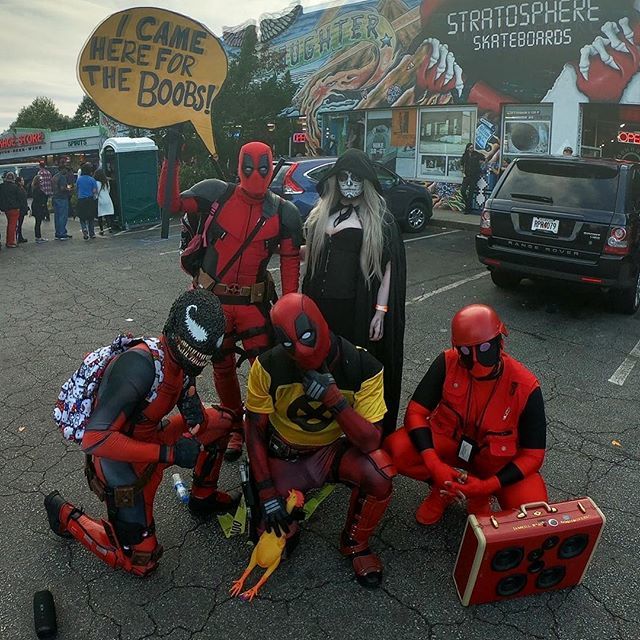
{"points": [[152, 68]]}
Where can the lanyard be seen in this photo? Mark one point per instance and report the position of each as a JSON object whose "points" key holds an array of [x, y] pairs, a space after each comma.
{"points": [[478, 423]]}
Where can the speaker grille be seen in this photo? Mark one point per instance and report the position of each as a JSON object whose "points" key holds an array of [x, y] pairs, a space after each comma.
{"points": [[507, 559], [510, 585], [550, 577], [573, 546]]}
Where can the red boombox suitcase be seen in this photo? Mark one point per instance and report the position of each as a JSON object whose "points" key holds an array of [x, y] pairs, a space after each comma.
{"points": [[540, 547]]}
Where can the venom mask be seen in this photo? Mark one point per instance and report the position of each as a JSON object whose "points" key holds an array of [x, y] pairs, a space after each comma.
{"points": [[194, 330]]}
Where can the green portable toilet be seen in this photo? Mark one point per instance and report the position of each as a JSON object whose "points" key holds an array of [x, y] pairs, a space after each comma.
{"points": [[132, 165]]}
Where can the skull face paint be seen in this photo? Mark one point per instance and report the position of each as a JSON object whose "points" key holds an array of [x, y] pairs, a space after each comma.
{"points": [[351, 185]]}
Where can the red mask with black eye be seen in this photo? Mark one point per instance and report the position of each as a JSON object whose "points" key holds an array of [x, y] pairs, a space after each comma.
{"points": [[255, 168], [302, 330]]}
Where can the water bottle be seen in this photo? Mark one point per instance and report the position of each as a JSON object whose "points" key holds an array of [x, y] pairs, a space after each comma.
{"points": [[179, 488]]}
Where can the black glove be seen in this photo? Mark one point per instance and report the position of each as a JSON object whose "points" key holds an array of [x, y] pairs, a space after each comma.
{"points": [[190, 407], [185, 453], [322, 387], [275, 516]]}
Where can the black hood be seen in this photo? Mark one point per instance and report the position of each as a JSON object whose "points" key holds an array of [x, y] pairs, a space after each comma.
{"points": [[357, 162]]}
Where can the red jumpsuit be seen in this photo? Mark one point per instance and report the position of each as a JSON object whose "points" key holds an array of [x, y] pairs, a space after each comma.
{"points": [[126, 443], [502, 419], [235, 218]]}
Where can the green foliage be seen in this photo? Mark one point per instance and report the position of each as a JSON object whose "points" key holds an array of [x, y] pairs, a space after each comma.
{"points": [[42, 113], [190, 174], [87, 113]]}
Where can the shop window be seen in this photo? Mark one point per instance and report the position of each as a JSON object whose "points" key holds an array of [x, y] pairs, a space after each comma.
{"points": [[342, 131], [444, 134], [526, 130], [391, 139]]}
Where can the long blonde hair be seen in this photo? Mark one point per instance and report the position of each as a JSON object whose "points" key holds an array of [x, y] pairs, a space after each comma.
{"points": [[371, 214]]}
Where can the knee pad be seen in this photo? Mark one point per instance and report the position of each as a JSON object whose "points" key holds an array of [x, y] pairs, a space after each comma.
{"points": [[129, 533]]}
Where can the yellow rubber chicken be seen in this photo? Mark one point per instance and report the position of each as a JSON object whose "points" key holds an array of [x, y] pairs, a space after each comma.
{"points": [[267, 553]]}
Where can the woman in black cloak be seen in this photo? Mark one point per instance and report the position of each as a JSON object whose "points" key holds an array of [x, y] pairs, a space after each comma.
{"points": [[356, 267]]}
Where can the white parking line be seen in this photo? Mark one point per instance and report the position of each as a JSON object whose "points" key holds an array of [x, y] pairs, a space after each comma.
{"points": [[433, 235], [448, 287], [145, 230], [166, 253], [623, 371]]}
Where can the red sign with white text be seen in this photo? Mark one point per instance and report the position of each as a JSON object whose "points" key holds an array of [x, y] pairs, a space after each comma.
{"points": [[629, 137], [23, 140]]}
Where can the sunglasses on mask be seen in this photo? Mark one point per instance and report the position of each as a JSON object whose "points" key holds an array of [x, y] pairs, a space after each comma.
{"points": [[487, 353]]}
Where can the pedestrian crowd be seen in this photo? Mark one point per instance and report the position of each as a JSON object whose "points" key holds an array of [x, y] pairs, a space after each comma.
{"points": [[93, 200]]}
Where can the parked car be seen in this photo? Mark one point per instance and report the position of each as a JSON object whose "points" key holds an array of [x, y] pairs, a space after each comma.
{"points": [[573, 219], [297, 179], [27, 170]]}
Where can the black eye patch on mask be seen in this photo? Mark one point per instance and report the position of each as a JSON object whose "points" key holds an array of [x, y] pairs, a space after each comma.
{"points": [[305, 330], [263, 165], [247, 165], [487, 354]]}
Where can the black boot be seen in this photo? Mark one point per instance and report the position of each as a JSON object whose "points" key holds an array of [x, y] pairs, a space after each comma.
{"points": [[53, 503], [217, 502]]}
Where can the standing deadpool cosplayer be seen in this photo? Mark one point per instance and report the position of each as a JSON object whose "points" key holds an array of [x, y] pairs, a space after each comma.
{"points": [[241, 227], [129, 444], [475, 426], [315, 405]]}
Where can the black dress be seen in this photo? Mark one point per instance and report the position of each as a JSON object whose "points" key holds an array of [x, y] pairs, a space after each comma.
{"points": [[350, 315], [334, 285]]}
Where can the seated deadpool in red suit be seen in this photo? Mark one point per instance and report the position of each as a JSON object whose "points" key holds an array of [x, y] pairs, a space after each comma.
{"points": [[246, 225], [475, 426]]}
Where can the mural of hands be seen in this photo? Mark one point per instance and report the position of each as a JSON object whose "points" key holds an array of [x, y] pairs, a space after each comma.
{"points": [[439, 72], [607, 64]]}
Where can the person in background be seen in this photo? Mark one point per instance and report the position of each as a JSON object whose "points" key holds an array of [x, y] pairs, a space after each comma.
{"points": [[45, 185], [61, 191], [567, 151], [471, 162], [24, 209], [39, 209], [10, 202], [105, 204], [87, 190]]}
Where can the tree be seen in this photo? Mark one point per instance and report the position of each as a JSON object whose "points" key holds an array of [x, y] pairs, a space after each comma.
{"points": [[42, 113], [256, 90], [87, 114]]}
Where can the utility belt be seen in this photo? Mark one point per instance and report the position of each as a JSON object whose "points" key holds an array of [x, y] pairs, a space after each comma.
{"points": [[278, 448], [120, 497], [234, 293]]}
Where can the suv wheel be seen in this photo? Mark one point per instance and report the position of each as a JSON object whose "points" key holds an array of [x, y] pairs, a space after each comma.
{"points": [[628, 300], [417, 217], [505, 279]]}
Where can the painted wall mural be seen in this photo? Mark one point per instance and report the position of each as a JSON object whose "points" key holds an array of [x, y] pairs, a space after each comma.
{"points": [[387, 54]]}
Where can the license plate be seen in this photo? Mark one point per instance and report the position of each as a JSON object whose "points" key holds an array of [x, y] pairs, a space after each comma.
{"points": [[545, 224]]}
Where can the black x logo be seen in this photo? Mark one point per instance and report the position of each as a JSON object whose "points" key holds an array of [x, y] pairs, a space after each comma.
{"points": [[308, 417]]}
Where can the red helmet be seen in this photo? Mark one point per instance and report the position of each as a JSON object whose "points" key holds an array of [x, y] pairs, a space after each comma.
{"points": [[475, 324], [255, 168], [301, 329]]}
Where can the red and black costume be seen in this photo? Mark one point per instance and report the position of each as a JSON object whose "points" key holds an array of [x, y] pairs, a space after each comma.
{"points": [[249, 224], [475, 426], [129, 444], [314, 409]]}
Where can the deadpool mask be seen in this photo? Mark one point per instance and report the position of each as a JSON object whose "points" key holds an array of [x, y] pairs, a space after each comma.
{"points": [[255, 168], [194, 330], [482, 360], [302, 330]]}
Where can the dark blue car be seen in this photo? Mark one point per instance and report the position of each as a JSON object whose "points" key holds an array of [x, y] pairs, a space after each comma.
{"points": [[297, 179]]}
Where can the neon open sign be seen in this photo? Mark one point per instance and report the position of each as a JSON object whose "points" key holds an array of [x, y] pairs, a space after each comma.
{"points": [[629, 137]]}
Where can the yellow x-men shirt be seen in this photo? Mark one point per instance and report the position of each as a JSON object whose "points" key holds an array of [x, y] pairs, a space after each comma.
{"points": [[275, 388]]}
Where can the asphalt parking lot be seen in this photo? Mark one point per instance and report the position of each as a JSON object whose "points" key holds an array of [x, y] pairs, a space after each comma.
{"points": [[61, 299]]}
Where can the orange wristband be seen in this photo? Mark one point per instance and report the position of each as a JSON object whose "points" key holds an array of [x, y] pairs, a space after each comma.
{"points": [[382, 307]]}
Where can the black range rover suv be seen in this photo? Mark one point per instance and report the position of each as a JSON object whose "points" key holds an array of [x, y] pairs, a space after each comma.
{"points": [[565, 218]]}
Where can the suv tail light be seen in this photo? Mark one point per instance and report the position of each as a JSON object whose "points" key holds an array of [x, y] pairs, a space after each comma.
{"points": [[289, 185], [617, 242], [485, 223]]}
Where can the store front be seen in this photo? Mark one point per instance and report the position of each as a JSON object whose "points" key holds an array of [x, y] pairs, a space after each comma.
{"points": [[610, 131], [32, 145]]}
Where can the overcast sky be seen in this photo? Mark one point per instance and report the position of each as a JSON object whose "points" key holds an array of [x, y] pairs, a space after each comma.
{"points": [[41, 40]]}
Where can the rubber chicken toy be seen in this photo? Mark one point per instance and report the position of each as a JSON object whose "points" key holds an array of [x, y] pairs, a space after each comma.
{"points": [[266, 554]]}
